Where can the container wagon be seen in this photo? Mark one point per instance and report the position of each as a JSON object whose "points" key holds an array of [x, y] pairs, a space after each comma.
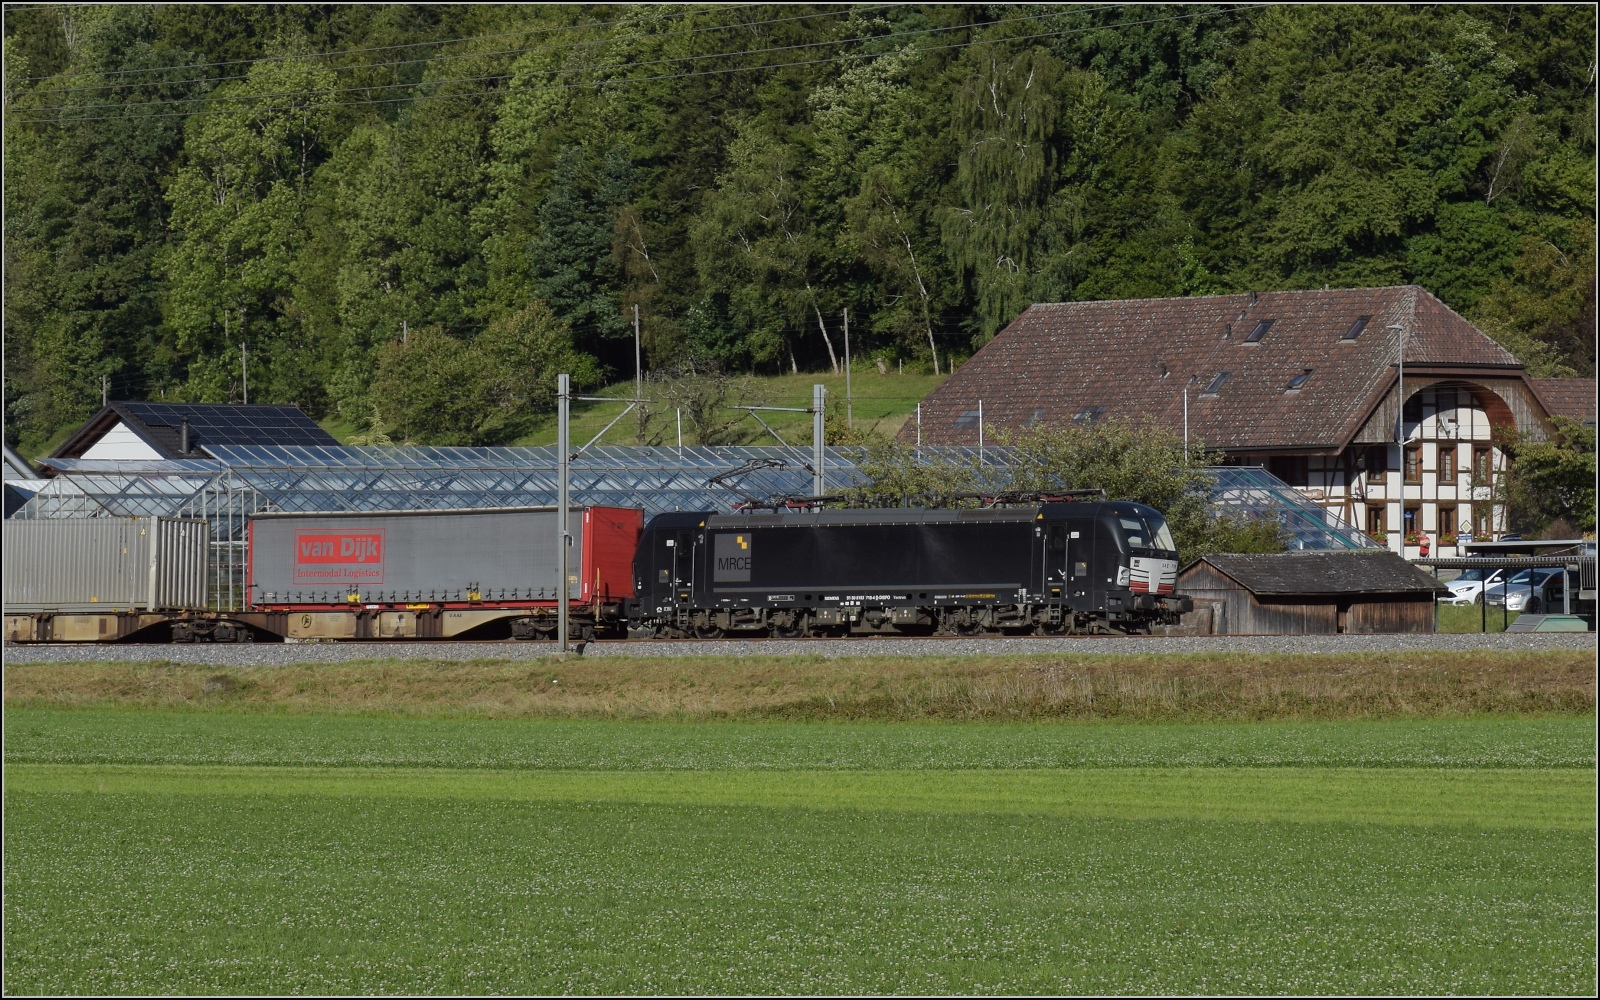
{"points": [[100, 579], [1045, 569], [373, 575], [439, 574]]}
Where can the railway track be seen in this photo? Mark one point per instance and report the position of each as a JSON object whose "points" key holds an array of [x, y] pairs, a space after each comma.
{"points": [[274, 654]]}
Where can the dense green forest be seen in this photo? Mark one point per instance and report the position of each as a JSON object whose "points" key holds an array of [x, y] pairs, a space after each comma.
{"points": [[413, 216]]}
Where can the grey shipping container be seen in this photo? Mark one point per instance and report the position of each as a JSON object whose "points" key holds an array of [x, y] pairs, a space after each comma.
{"points": [[398, 557], [105, 564]]}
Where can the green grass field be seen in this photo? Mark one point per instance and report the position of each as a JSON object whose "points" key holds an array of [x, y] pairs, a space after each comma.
{"points": [[1470, 618], [227, 851]]}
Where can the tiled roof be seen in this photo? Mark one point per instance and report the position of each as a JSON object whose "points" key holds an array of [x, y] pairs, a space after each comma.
{"points": [[1286, 573], [1133, 357], [1567, 397], [160, 425]]}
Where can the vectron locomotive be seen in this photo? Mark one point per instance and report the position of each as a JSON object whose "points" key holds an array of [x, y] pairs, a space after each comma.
{"points": [[1045, 569]]}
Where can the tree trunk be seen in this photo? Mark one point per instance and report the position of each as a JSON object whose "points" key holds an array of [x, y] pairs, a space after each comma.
{"points": [[833, 359]]}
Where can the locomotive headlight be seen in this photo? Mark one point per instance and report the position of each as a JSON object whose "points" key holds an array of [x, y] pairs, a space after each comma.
{"points": [[1123, 576]]}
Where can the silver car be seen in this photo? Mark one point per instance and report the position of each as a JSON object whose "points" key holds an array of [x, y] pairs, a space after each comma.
{"points": [[1530, 590]]}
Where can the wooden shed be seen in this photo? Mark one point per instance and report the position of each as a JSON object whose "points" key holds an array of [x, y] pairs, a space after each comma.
{"points": [[1296, 593]]}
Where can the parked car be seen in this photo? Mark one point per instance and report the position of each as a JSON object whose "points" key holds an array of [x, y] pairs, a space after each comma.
{"points": [[1534, 591], [1468, 587]]}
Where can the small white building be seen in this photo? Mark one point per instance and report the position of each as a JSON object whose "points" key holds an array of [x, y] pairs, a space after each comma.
{"points": [[1305, 383]]}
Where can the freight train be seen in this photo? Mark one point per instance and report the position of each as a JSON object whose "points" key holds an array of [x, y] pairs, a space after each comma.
{"points": [[1037, 569]]}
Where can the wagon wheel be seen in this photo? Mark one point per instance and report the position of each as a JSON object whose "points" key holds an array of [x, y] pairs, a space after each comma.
{"points": [[708, 632]]}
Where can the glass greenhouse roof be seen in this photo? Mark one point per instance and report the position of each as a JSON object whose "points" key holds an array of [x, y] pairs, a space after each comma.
{"points": [[324, 478]]}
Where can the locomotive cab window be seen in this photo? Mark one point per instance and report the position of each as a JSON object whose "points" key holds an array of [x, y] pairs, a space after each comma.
{"points": [[1147, 535]]}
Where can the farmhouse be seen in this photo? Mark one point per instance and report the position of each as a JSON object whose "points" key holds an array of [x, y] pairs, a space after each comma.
{"points": [[1305, 383], [1297, 593]]}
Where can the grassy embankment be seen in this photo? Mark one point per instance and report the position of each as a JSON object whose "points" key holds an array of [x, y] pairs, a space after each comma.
{"points": [[1175, 688], [882, 405], [413, 827]]}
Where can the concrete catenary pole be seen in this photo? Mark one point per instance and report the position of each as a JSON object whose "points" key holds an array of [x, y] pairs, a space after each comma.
{"points": [[819, 402], [563, 445]]}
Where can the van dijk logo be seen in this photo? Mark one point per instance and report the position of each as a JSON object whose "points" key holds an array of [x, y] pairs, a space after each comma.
{"points": [[338, 557], [732, 555]]}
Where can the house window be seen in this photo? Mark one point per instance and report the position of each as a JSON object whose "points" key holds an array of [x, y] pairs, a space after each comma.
{"points": [[1216, 384], [1447, 463], [1482, 465], [1484, 528], [1377, 463], [1088, 415], [1376, 525], [968, 419], [1447, 521], [1413, 464], [1299, 381], [1356, 328], [1292, 469], [1411, 519]]}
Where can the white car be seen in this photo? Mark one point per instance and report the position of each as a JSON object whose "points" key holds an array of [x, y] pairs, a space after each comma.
{"points": [[1468, 587]]}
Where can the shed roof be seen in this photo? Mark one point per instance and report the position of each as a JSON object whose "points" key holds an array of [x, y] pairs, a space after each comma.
{"points": [[1062, 361], [1355, 572], [210, 424]]}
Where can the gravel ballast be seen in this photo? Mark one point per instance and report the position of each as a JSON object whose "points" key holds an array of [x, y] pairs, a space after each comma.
{"points": [[277, 654]]}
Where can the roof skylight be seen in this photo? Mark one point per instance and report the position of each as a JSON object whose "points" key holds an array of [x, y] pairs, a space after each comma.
{"points": [[1259, 332], [1299, 381], [1356, 328], [1216, 383]]}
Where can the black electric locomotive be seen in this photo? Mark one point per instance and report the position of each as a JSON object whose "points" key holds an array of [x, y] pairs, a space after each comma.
{"points": [[1046, 569]]}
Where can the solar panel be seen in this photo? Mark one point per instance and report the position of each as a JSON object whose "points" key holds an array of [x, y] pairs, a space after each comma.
{"points": [[212, 424]]}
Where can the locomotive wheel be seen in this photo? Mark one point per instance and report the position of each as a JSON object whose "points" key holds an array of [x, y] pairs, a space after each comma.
{"points": [[795, 631], [708, 632]]}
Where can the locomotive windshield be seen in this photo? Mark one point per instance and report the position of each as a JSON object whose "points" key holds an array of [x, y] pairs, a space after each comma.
{"points": [[1147, 532]]}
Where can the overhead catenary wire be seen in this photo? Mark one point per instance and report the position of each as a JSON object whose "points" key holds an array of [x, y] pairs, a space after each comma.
{"points": [[210, 98], [616, 82]]}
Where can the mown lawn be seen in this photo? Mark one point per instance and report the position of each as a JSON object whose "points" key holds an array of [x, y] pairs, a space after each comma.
{"points": [[202, 851]]}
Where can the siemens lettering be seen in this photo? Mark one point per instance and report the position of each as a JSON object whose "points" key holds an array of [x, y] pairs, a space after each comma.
{"points": [[732, 555], [353, 557]]}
